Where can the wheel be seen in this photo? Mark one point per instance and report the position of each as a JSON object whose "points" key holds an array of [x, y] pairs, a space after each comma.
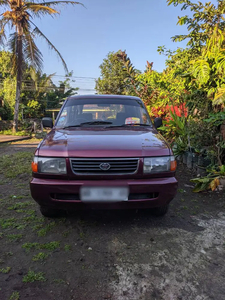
{"points": [[160, 211], [51, 212]]}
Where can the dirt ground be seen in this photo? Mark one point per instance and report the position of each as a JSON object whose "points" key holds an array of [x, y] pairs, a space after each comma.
{"points": [[117, 255]]}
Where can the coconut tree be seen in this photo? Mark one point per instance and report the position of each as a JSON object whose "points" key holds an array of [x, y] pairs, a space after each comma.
{"points": [[20, 38]]}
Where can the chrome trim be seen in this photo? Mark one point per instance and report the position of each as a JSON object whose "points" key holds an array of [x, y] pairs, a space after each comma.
{"points": [[107, 160]]}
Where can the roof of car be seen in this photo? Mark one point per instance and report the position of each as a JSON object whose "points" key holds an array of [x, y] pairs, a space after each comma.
{"points": [[103, 97]]}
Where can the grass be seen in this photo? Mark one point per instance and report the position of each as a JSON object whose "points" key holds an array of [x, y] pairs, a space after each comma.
{"points": [[82, 234], [48, 246], [5, 270], [14, 237], [16, 164], [184, 207], [32, 277], [20, 224], [44, 231], [40, 256], [14, 296], [18, 133], [67, 248], [20, 205], [66, 233], [8, 223], [30, 141], [59, 281]]}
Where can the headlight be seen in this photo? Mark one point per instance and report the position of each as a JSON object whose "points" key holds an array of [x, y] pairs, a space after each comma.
{"points": [[49, 165], [159, 164]]}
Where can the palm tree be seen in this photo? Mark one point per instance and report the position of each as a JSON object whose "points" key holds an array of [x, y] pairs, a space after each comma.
{"points": [[19, 17]]}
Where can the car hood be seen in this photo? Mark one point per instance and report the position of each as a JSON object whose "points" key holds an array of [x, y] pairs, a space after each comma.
{"points": [[103, 143]]}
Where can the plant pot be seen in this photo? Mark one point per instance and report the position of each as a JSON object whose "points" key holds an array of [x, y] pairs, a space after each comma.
{"points": [[222, 182], [206, 162], [201, 171], [179, 158], [185, 155], [194, 161], [200, 161], [189, 160]]}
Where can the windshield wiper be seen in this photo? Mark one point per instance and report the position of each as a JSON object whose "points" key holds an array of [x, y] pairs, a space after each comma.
{"points": [[70, 126], [88, 123], [125, 125], [95, 123]]}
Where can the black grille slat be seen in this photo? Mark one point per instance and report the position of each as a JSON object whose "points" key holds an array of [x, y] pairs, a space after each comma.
{"points": [[98, 162], [92, 166]]}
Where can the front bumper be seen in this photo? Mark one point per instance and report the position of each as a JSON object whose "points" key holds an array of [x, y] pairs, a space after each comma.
{"points": [[64, 194]]}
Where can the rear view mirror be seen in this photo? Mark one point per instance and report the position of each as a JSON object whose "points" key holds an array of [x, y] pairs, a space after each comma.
{"points": [[47, 122], [157, 122]]}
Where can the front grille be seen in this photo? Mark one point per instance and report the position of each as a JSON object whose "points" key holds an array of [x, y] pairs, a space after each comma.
{"points": [[101, 166], [143, 196], [57, 196]]}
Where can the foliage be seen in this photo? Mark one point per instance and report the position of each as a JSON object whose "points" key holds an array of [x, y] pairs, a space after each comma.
{"points": [[41, 94], [32, 277], [20, 38], [180, 145], [201, 136], [5, 270], [206, 45], [211, 181], [7, 86], [175, 127], [215, 119], [192, 84], [48, 246], [40, 256], [15, 296], [204, 18], [55, 96], [38, 91], [113, 79]]}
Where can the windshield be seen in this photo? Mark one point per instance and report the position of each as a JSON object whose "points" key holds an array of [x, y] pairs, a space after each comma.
{"points": [[103, 112]]}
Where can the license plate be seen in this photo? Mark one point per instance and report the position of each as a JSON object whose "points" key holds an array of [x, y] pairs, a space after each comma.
{"points": [[104, 194]]}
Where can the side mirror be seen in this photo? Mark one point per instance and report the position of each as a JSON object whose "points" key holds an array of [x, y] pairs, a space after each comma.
{"points": [[157, 122], [47, 122]]}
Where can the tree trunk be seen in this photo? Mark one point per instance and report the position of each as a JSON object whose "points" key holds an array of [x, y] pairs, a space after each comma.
{"points": [[19, 54], [16, 110]]}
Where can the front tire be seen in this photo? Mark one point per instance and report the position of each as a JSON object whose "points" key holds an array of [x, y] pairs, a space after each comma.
{"points": [[51, 212], [160, 211]]}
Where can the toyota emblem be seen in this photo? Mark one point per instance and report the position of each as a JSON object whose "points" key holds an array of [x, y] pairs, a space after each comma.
{"points": [[104, 166]]}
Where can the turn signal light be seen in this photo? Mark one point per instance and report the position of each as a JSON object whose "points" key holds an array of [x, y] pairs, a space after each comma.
{"points": [[173, 165], [34, 167]]}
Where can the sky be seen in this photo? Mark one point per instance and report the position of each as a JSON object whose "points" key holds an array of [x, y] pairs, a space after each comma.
{"points": [[84, 36]]}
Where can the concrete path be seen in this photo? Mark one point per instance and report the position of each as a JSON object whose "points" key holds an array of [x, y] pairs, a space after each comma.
{"points": [[12, 138]]}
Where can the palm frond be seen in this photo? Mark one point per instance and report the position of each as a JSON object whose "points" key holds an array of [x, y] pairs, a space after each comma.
{"points": [[37, 32], [55, 3], [45, 83], [3, 23], [4, 2], [12, 43], [40, 10], [32, 55]]}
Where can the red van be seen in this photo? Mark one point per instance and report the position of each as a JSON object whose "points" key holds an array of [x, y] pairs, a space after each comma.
{"points": [[103, 152]]}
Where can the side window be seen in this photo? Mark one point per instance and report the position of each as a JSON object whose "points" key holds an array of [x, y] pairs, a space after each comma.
{"points": [[63, 117]]}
